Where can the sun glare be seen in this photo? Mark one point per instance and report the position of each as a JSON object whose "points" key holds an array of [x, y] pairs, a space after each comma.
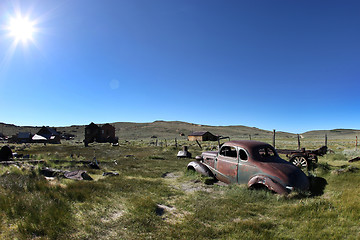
{"points": [[22, 29]]}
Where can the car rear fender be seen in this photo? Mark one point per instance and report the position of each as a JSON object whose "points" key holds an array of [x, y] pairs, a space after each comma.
{"points": [[200, 168], [268, 183]]}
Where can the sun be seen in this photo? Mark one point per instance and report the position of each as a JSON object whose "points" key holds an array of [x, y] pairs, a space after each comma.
{"points": [[21, 28]]}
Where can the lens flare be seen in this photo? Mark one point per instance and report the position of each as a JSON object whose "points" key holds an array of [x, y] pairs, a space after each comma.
{"points": [[22, 29]]}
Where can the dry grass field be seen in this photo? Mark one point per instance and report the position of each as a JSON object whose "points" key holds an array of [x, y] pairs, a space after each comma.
{"points": [[154, 197]]}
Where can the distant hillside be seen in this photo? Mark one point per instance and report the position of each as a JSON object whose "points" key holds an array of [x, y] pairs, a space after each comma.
{"points": [[11, 129], [335, 133], [173, 129]]}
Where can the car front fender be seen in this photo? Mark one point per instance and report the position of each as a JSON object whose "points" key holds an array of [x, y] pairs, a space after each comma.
{"points": [[200, 168], [269, 183]]}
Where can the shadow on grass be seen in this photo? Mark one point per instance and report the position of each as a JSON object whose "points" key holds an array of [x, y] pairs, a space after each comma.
{"points": [[317, 186], [211, 181]]}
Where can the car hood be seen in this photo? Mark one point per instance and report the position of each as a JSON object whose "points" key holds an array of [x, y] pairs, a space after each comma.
{"points": [[284, 172]]}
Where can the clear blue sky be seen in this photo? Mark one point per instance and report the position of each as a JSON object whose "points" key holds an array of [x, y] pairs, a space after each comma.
{"points": [[286, 65]]}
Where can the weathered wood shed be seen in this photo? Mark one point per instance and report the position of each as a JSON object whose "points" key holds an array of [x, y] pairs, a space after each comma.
{"points": [[50, 134], [107, 133], [23, 137], [202, 136], [92, 133]]}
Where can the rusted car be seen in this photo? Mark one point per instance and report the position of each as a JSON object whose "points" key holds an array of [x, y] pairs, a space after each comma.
{"points": [[255, 163]]}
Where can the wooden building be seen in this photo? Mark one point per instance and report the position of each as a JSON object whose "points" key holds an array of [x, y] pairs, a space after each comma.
{"points": [[22, 137], [202, 136], [105, 133], [108, 133], [50, 134], [92, 133]]}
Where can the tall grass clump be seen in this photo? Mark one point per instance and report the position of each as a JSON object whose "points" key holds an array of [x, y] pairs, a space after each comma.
{"points": [[336, 157], [142, 215], [82, 191], [37, 208]]}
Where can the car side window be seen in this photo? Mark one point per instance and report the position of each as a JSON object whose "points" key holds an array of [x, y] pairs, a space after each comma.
{"points": [[266, 153], [242, 155], [228, 151]]}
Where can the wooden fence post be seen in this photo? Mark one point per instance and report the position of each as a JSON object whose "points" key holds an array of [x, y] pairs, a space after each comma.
{"points": [[274, 138], [299, 146], [250, 136], [175, 142], [356, 143], [326, 140], [198, 143]]}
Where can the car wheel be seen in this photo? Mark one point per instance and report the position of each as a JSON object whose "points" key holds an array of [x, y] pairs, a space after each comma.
{"points": [[300, 162]]}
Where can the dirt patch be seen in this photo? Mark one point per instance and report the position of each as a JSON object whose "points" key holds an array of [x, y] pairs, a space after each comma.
{"points": [[195, 186], [188, 186], [170, 214], [170, 175], [113, 216], [345, 170]]}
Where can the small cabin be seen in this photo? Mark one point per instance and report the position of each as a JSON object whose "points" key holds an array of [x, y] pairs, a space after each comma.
{"points": [[50, 134], [108, 133], [105, 133], [202, 136], [22, 137], [92, 133]]}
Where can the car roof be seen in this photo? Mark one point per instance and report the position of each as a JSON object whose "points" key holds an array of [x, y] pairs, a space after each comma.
{"points": [[248, 144]]}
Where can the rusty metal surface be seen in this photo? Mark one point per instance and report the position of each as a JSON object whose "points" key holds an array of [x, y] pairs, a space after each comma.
{"points": [[318, 152], [77, 175], [200, 168], [309, 156], [260, 165], [209, 158]]}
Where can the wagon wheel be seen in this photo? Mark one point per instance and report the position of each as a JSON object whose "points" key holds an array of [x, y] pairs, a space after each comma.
{"points": [[299, 161]]}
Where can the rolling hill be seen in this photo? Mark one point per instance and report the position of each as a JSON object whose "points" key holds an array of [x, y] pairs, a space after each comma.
{"points": [[173, 129]]}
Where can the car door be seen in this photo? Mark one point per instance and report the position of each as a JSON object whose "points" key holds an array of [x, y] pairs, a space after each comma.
{"points": [[245, 168], [227, 164]]}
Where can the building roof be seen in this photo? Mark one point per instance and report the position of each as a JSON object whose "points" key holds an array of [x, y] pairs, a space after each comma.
{"points": [[37, 137], [52, 131], [107, 125], [92, 126], [198, 133], [48, 131], [24, 135]]}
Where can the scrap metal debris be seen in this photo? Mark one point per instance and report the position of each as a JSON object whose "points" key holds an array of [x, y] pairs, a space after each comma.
{"points": [[184, 153], [355, 159], [345, 170], [94, 164], [110, 174], [50, 172], [77, 175], [22, 162]]}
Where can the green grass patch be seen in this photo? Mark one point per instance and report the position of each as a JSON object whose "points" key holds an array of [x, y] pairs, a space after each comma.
{"points": [[154, 197]]}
